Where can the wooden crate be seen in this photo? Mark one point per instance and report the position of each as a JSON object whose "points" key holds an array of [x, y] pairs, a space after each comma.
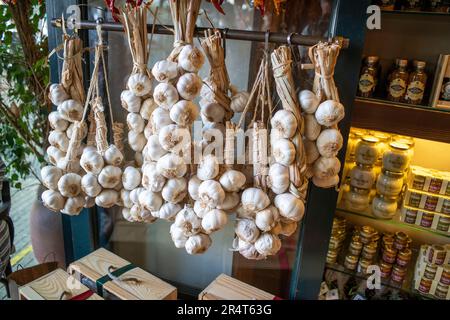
{"points": [[227, 288], [52, 285], [134, 284]]}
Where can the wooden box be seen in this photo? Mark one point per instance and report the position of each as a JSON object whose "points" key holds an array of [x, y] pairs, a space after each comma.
{"points": [[56, 285], [227, 288], [115, 278]]}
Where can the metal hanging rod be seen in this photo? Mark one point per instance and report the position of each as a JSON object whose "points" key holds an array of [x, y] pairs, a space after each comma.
{"points": [[231, 34]]}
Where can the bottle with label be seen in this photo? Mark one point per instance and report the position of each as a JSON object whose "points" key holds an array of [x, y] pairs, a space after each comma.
{"points": [[416, 84], [397, 81], [369, 77]]}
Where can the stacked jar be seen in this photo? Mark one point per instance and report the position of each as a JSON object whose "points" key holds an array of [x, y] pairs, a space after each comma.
{"points": [[395, 256], [362, 249], [391, 180], [336, 240]]}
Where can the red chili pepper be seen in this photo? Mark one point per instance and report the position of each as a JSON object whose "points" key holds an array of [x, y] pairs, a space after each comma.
{"points": [[115, 12], [217, 4]]}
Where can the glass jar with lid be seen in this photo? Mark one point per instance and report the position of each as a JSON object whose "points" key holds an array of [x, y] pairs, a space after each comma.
{"points": [[366, 234], [351, 262], [362, 176], [409, 141], [357, 199], [390, 183], [383, 144], [397, 157], [366, 151], [384, 207]]}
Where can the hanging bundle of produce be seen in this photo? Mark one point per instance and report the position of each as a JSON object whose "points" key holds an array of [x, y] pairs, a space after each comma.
{"points": [[322, 113]]}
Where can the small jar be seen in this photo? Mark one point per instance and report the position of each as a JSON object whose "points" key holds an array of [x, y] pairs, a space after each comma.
{"points": [[437, 254], [427, 219], [443, 224], [430, 271], [331, 256], [435, 185], [389, 255], [390, 183], [401, 239], [398, 274], [446, 206], [387, 241], [403, 257], [411, 216], [334, 243], [445, 277], [414, 199], [362, 176], [385, 269], [384, 207], [366, 233], [355, 248], [425, 285], [397, 158], [357, 199], [441, 291], [366, 151], [369, 251], [363, 264], [383, 145], [431, 203], [418, 182], [351, 262]]}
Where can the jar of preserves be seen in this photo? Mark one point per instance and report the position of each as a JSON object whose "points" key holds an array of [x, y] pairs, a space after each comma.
{"points": [[397, 81], [431, 202], [430, 271], [363, 264], [446, 206], [384, 207], [351, 146], [369, 251], [445, 276], [351, 262], [387, 241], [427, 219], [443, 224], [416, 83], [368, 78], [331, 256], [437, 254], [335, 242], [418, 182], [401, 239], [414, 199], [385, 269], [441, 291], [357, 199], [435, 184], [425, 285], [366, 151], [355, 248], [390, 183], [362, 176], [398, 274], [397, 157], [403, 257], [389, 254], [366, 234], [411, 215]]}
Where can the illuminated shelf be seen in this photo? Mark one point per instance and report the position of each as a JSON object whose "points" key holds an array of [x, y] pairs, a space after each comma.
{"points": [[416, 13]]}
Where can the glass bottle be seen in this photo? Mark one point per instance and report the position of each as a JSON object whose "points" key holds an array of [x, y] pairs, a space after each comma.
{"points": [[366, 151], [397, 158], [362, 176], [369, 77], [416, 84], [397, 81]]}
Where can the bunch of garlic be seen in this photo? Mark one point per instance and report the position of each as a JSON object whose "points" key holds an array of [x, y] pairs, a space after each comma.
{"points": [[322, 138]]}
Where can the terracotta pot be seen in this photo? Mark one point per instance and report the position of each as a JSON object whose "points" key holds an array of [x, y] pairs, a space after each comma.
{"points": [[46, 233]]}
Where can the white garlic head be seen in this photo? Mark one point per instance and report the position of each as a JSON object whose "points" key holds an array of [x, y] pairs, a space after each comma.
{"points": [[254, 199], [134, 195], [130, 101], [278, 178], [159, 119], [201, 208], [285, 123], [110, 176], [175, 190], [208, 167], [247, 230], [50, 176], [178, 237], [188, 221], [326, 167], [267, 219], [241, 213], [232, 180], [198, 244], [74, 205], [329, 143], [231, 201], [59, 140], [189, 86], [171, 166], [136, 140], [113, 156], [131, 178], [283, 152], [168, 211], [135, 122], [288, 229], [311, 151], [71, 127], [327, 182], [329, 113], [57, 94], [289, 206], [214, 220], [69, 185], [92, 161], [193, 184], [211, 193], [90, 185], [107, 198], [71, 110], [164, 70], [57, 122], [184, 113], [248, 250], [153, 149], [212, 111], [239, 101], [191, 58], [55, 155], [126, 199], [268, 244], [165, 95], [139, 84], [312, 127], [126, 214], [147, 107], [152, 179], [150, 201], [308, 101], [53, 200], [173, 138]]}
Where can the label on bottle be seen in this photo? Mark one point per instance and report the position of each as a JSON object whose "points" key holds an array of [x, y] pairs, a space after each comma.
{"points": [[366, 83], [415, 91], [397, 88]]}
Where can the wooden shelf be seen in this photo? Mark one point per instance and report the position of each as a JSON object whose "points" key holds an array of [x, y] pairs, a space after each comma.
{"points": [[416, 121]]}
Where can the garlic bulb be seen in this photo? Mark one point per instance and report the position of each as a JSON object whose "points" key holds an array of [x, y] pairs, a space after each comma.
{"points": [[74, 205], [283, 152], [278, 178], [153, 150], [212, 112], [247, 230], [267, 219], [130, 101], [254, 199], [135, 213], [231, 201], [107, 198], [134, 195], [327, 182], [285, 123], [126, 214], [189, 85], [168, 211], [57, 94], [326, 167], [92, 161], [329, 113], [165, 95], [288, 229], [184, 113], [312, 127], [232, 180], [150, 201], [191, 58], [238, 101], [208, 168], [71, 110], [312, 153], [136, 141], [131, 178], [178, 237], [159, 119], [308, 101], [198, 244], [172, 138], [289, 206], [188, 221], [201, 209], [214, 220], [211, 193], [171, 166], [70, 128], [193, 184], [135, 122], [59, 140], [152, 179], [57, 122], [53, 200], [50, 176], [241, 213], [329, 143], [69, 185], [113, 156], [277, 228], [147, 107], [248, 250], [90, 185], [139, 84], [55, 155], [268, 244], [110, 176], [164, 70], [126, 199], [175, 190], [146, 216]]}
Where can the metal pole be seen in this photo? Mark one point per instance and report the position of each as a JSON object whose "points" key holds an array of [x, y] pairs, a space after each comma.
{"points": [[232, 34]]}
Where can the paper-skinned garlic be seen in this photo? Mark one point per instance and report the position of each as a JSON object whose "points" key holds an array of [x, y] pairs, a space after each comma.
{"points": [[289, 206], [90, 185], [308, 101], [248, 250], [329, 143], [285, 123], [183, 113], [327, 182], [71, 110], [247, 230], [266, 219], [168, 211], [241, 213], [173, 138], [288, 229], [110, 176], [191, 58], [159, 119], [126, 214], [214, 220], [165, 95], [134, 195], [69, 131], [254, 199], [201, 208], [175, 190], [211, 193], [188, 221], [130, 101], [178, 237], [59, 140], [53, 200], [57, 122], [152, 179], [213, 112], [74, 205], [153, 149], [198, 243], [208, 167], [312, 127], [113, 156], [57, 94], [131, 178], [92, 161], [326, 167], [150, 201], [189, 85], [147, 107], [171, 166], [69, 185], [231, 201], [126, 199], [135, 122], [107, 198], [238, 101], [139, 84], [136, 140], [278, 178], [193, 184], [329, 113], [311, 151], [165, 70], [232, 180], [55, 155], [283, 151], [268, 244], [50, 176]]}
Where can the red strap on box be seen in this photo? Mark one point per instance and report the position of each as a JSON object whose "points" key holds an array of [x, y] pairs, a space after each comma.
{"points": [[83, 296]]}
